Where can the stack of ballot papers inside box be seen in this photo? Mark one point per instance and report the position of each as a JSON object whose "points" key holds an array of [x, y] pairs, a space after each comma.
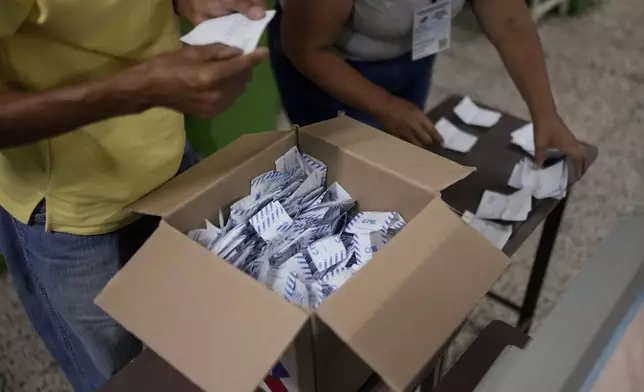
{"points": [[296, 237]]}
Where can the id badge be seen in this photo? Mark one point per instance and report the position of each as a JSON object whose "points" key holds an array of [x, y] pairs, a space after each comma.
{"points": [[432, 29]]}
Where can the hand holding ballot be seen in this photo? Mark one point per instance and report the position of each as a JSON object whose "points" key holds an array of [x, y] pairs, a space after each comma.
{"points": [[202, 81]]}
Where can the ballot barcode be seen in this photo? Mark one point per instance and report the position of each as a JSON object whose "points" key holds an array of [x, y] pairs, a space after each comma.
{"points": [[442, 44]]}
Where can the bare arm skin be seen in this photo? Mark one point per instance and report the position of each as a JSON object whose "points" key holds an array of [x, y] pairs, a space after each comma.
{"points": [[309, 31], [510, 28]]}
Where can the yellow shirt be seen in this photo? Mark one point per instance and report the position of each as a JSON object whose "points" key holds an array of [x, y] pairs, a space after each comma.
{"points": [[89, 176]]}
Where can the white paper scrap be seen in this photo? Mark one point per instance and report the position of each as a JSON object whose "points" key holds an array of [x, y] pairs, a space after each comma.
{"points": [[454, 138], [268, 221], [496, 233], [327, 252], [549, 182], [234, 30], [514, 207], [524, 138], [471, 114]]}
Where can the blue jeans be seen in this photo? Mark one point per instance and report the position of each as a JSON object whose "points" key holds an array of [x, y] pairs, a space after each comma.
{"points": [[57, 276], [305, 103]]}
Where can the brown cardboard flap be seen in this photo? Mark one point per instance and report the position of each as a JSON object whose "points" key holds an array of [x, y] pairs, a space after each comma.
{"points": [[388, 152], [400, 309], [181, 189], [217, 326]]}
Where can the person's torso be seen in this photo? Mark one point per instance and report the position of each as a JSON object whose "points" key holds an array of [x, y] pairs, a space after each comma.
{"points": [[382, 29], [90, 175]]}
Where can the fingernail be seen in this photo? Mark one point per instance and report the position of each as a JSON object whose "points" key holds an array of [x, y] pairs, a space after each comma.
{"points": [[256, 13]]}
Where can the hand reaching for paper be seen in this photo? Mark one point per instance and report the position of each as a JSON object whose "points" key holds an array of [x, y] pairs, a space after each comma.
{"points": [[405, 120], [197, 11], [551, 132]]}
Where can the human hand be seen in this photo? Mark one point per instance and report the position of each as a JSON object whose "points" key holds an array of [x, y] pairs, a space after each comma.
{"points": [[405, 120], [197, 11], [199, 80], [551, 132]]}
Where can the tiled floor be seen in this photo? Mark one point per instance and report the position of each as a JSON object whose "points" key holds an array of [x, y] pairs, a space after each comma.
{"points": [[597, 68]]}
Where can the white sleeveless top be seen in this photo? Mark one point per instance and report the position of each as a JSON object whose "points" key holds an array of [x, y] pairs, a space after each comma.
{"points": [[381, 29]]}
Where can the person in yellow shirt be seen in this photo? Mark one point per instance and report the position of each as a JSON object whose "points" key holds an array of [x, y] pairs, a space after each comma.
{"points": [[91, 101]]}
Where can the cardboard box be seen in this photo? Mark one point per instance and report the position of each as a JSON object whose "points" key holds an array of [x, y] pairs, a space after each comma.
{"points": [[225, 331]]}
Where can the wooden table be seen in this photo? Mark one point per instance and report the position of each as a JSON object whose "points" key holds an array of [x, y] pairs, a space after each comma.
{"points": [[494, 158]]}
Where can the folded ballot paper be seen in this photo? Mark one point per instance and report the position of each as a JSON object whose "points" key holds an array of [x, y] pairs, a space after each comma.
{"points": [[524, 138], [454, 138], [471, 114], [296, 237], [549, 182], [496, 233], [234, 30], [497, 206]]}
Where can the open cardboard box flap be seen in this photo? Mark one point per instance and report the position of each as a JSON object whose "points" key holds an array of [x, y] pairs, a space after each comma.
{"points": [[402, 307], [177, 192], [224, 331], [217, 326]]}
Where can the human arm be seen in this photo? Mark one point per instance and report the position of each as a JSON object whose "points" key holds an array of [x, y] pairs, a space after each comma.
{"points": [[309, 31], [202, 80], [509, 26]]}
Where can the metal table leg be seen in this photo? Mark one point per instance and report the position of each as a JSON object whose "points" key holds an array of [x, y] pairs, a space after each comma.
{"points": [[540, 266]]}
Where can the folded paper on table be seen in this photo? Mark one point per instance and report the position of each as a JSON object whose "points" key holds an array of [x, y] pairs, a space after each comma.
{"points": [[524, 138], [514, 207], [549, 182], [496, 233], [234, 30], [471, 114], [454, 138]]}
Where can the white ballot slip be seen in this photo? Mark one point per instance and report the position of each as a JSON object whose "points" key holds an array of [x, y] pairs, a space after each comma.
{"points": [[471, 114], [524, 138], [514, 207], [453, 138], [495, 233], [327, 252], [550, 182], [234, 30], [292, 289], [269, 219]]}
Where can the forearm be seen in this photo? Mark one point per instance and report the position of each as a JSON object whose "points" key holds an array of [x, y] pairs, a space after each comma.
{"points": [[337, 78], [510, 28], [27, 117]]}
